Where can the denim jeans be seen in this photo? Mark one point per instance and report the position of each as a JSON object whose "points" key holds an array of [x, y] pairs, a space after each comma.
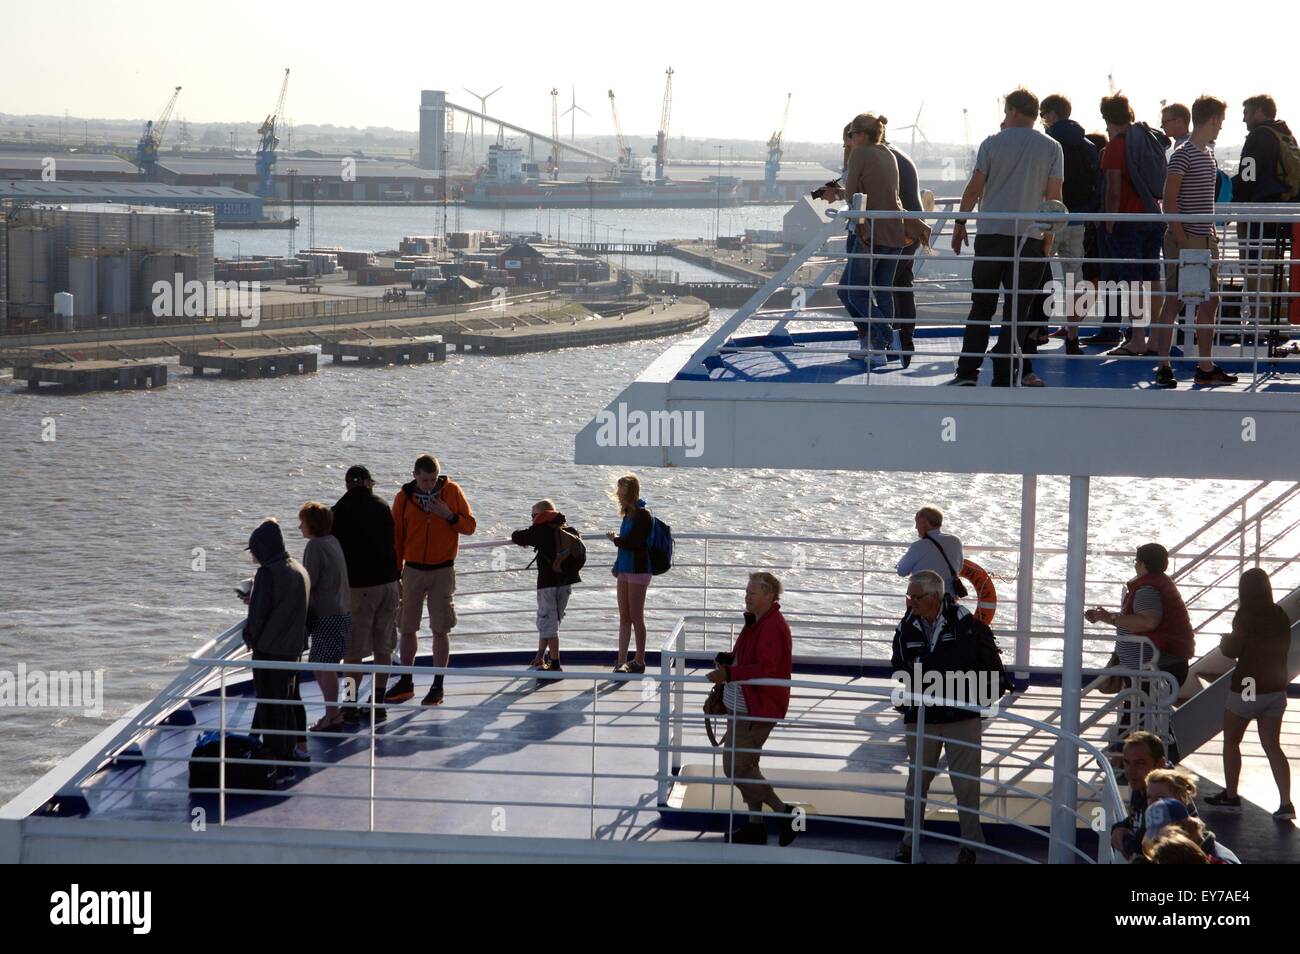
{"points": [[874, 303]]}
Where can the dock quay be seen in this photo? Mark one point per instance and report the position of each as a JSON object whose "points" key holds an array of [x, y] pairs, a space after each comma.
{"points": [[94, 375], [383, 351], [242, 363], [653, 321]]}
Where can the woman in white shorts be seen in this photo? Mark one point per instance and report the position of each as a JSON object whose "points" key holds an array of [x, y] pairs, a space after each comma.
{"points": [[1260, 641]]}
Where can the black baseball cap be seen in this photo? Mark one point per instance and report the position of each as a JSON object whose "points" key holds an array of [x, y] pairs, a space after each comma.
{"points": [[356, 475]]}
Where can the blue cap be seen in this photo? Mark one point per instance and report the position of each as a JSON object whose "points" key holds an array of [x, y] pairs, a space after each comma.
{"points": [[1165, 811]]}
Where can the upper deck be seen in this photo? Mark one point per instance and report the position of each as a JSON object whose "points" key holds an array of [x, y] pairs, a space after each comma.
{"points": [[782, 383]]}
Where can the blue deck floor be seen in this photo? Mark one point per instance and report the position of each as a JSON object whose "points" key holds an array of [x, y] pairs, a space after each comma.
{"points": [[814, 362]]}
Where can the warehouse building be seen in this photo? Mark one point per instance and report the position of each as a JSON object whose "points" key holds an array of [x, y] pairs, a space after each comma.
{"points": [[343, 177], [226, 205], [58, 166]]}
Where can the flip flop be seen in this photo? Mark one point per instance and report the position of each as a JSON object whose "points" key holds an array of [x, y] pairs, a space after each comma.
{"points": [[1123, 352]]}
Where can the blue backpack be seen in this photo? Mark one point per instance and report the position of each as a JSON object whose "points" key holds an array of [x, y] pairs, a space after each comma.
{"points": [[659, 545], [1144, 151]]}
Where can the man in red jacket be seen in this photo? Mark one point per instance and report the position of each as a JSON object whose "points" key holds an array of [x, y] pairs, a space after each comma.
{"points": [[762, 651]]}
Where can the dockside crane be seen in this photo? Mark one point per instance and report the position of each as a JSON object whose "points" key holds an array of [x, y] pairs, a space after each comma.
{"points": [[774, 153], [661, 141], [146, 150], [554, 166], [624, 150], [268, 142]]}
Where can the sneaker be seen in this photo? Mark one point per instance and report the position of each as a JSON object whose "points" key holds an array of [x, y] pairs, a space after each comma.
{"points": [[1285, 812], [1032, 380], [1223, 800], [551, 666], [753, 833], [1072, 346], [904, 854], [623, 668], [401, 690], [1165, 377], [966, 856], [433, 697], [961, 382], [635, 667], [1214, 377]]}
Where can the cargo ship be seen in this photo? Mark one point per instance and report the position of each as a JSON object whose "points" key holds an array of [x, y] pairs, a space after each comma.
{"points": [[510, 180]]}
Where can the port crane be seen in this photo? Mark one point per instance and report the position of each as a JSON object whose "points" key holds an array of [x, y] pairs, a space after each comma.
{"points": [[774, 153], [661, 141], [146, 150], [268, 142], [624, 150], [554, 165]]}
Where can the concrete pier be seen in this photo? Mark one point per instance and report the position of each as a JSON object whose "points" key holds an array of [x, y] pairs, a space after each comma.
{"points": [[652, 322], [242, 363], [401, 351], [107, 375]]}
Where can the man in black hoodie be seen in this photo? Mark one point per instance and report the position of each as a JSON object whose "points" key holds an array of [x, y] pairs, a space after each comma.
{"points": [[1079, 193], [556, 574], [363, 525], [1260, 178], [276, 630]]}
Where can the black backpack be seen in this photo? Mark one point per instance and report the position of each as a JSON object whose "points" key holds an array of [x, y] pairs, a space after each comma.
{"points": [[1082, 176], [570, 551], [659, 546], [238, 774]]}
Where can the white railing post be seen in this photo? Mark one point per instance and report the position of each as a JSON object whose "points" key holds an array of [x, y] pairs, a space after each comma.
{"points": [[920, 796], [665, 721], [374, 681], [706, 594], [595, 720], [1065, 763], [679, 699], [221, 754], [1025, 581]]}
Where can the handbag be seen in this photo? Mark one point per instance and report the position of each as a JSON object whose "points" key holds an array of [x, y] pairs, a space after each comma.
{"points": [[958, 587], [1112, 684], [917, 230], [715, 705]]}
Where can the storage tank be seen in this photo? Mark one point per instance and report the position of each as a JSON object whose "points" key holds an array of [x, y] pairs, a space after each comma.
{"points": [[29, 270], [64, 311], [115, 283], [83, 283]]}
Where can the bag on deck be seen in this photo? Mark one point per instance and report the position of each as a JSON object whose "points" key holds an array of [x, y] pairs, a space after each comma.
{"points": [[238, 774]]}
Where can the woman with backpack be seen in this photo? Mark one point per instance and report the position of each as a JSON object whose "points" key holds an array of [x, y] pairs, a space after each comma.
{"points": [[632, 570]]}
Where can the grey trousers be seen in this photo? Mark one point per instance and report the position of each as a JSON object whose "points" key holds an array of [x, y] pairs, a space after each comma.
{"points": [[962, 759]]}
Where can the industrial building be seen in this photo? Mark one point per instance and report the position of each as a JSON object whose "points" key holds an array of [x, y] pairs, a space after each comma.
{"points": [[344, 177], [107, 257], [227, 205], [79, 166]]}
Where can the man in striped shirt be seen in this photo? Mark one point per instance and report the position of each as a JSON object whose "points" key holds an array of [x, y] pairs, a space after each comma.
{"points": [[1190, 188]]}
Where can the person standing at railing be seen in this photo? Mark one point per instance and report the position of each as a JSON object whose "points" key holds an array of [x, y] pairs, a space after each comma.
{"points": [[935, 551], [631, 570], [329, 616], [1190, 190], [909, 195], [763, 650], [872, 172], [363, 525], [1079, 192], [1260, 641], [1153, 608], [430, 513], [937, 636], [1016, 169], [556, 575], [276, 631]]}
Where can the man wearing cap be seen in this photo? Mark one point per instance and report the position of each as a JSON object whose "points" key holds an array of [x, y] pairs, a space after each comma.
{"points": [[363, 525]]}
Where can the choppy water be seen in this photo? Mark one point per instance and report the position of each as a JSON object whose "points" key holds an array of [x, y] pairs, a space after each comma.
{"points": [[98, 527]]}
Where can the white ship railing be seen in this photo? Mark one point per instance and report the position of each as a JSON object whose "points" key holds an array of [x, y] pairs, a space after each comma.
{"points": [[1257, 292], [507, 787]]}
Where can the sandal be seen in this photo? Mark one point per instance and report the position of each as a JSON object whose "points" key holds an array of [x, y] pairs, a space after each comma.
{"points": [[1224, 800], [1123, 352]]}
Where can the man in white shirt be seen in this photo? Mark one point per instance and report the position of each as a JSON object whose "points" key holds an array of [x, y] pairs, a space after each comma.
{"points": [[934, 550]]}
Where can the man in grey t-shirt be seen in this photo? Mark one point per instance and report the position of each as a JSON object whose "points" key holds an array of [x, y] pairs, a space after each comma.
{"points": [[933, 550], [1015, 171]]}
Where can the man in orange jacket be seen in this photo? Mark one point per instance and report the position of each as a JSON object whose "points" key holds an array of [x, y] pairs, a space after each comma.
{"points": [[429, 515]]}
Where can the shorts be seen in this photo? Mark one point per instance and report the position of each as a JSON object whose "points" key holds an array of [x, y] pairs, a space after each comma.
{"points": [[636, 579], [329, 638], [374, 615], [551, 604], [1139, 244], [437, 588], [1068, 247], [1264, 704], [1210, 241]]}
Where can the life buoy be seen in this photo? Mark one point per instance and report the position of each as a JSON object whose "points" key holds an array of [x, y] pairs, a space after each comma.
{"points": [[986, 593]]}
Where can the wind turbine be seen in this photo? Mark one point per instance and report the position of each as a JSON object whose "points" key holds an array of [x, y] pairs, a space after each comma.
{"points": [[916, 129], [482, 108], [572, 112]]}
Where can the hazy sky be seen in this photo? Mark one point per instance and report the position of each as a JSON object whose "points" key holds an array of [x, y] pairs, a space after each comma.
{"points": [[365, 63]]}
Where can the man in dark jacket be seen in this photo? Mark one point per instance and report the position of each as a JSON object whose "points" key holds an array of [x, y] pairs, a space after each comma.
{"points": [[557, 571], [936, 644], [363, 525], [1259, 179], [276, 630]]}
